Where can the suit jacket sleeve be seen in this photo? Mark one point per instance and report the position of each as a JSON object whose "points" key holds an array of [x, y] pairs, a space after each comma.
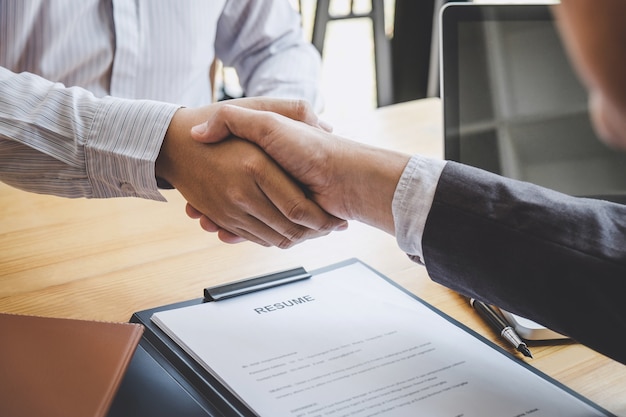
{"points": [[556, 259]]}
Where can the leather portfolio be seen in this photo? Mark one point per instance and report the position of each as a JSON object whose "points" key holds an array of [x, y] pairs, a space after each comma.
{"points": [[62, 367]]}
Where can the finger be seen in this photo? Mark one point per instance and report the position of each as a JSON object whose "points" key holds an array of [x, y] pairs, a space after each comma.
{"points": [[282, 233], [231, 238], [258, 232], [247, 227], [205, 223], [227, 237], [192, 212], [296, 208], [208, 224], [299, 110], [268, 227], [325, 125], [251, 125], [293, 109]]}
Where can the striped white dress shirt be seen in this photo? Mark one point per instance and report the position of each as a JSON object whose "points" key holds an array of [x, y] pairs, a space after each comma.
{"points": [[88, 87]]}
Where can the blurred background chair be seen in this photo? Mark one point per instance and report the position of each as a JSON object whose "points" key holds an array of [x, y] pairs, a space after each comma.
{"points": [[405, 55], [403, 42], [411, 48], [382, 43]]}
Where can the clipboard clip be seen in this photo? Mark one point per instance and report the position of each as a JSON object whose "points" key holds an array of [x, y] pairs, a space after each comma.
{"points": [[258, 283]]}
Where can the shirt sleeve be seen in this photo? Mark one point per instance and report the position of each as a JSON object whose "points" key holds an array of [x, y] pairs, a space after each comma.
{"points": [[263, 40], [544, 255], [412, 201], [66, 142]]}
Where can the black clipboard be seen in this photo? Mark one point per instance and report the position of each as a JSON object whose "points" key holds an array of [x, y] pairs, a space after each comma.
{"points": [[163, 380]]}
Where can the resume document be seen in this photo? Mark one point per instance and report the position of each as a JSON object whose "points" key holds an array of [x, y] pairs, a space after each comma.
{"points": [[347, 342]]}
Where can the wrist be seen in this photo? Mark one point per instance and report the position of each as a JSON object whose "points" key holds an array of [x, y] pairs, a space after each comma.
{"points": [[172, 147], [376, 173], [163, 165]]}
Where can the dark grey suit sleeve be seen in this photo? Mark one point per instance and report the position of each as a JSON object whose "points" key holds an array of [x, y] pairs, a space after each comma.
{"points": [[558, 260]]}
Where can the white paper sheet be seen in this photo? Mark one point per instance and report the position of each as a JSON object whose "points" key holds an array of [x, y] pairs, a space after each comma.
{"points": [[348, 343]]}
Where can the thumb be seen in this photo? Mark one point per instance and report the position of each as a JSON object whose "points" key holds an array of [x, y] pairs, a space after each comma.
{"points": [[217, 132], [230, 121], [223, 122]]}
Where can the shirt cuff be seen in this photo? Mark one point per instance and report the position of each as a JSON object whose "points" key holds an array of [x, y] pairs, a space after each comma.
{"points": [[412, 201], [122, 147]]}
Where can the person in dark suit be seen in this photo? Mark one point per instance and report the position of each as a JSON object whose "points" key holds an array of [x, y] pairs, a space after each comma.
{"points": [[553, 258]]}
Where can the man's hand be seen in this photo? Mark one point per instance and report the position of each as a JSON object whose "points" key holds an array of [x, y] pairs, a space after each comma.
{"points": [[238, 190], [347, 179]]}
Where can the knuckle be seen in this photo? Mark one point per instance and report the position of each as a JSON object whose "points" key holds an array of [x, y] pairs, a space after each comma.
{"points": [[236, 197], [267, 125], [256, 169], [328, 226], [300, 211], [222, 110], [302, 109], [285, 244], [292, 236], [297, 211], [298, 234], [295, 235]]}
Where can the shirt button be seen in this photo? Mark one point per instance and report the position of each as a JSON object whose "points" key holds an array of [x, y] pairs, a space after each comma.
{"points": [[127, 188]]}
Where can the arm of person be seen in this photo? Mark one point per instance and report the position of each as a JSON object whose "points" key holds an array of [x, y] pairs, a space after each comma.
{"points": [[244, 193], [556, 259], [264, 42], [349, 180], [65, 141], [553, 258]]}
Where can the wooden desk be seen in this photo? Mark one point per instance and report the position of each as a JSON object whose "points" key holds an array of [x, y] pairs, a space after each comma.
{"points": [[105, 259]]}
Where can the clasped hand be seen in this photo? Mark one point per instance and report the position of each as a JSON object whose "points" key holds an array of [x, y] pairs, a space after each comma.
{"points": [[348, 180], [235, 188]]}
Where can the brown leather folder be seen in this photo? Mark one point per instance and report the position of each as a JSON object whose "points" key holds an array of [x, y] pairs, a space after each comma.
{"points": [[62, 367]]}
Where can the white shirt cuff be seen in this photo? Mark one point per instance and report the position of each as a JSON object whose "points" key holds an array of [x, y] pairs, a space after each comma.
{"points": [[412, 201]]}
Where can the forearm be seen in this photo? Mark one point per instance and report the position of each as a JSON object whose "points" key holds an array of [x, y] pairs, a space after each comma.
{"points": [[65, 141], [367, 179], [532, 251]]}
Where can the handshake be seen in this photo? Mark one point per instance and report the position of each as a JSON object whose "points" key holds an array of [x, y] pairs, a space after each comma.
{"points": [[269, 171]]}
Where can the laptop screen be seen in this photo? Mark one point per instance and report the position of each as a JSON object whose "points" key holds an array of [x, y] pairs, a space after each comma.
{"points": [[514, 106]]}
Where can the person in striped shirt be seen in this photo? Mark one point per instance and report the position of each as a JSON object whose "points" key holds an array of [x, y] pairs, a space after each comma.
{"points": [[89, 90]]}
